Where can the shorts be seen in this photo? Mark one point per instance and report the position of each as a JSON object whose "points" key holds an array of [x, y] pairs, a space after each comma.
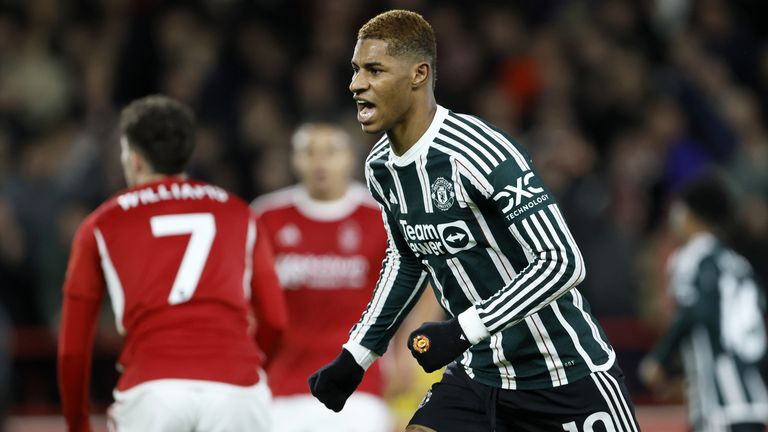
{"points": [[747, 427], [363, 412], [597, 402], [174, 405]]}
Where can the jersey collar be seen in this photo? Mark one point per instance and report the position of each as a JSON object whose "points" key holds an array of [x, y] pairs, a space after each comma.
{"points": [[328, 211], [422, 145], [701, 241], [691, 252]]}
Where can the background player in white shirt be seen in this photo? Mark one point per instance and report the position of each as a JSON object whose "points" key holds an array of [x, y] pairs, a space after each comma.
{"points": [[719, 325]]}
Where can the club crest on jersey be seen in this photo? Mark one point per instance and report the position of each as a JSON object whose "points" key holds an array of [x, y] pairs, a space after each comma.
{"points": [[289, 235], [350, 237], [442, 193]]}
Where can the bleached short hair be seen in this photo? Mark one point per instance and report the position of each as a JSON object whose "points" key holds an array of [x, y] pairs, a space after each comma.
{"points": [[406, 33]]}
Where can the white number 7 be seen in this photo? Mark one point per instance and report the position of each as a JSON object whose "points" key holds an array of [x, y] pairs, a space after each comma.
{"points": [[202, 228]]}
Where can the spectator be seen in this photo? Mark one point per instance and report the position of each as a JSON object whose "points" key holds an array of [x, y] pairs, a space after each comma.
{"points": [[5, 365]]}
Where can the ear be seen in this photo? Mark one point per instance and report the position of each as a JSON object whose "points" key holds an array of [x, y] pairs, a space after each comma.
{"points": [[137, 162], [421, 74], [296, 162]]}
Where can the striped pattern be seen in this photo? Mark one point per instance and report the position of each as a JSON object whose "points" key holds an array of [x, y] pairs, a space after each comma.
{"points": [[519, 271], [421, 170], [547, 350], [619, 408], [715, 289], [399, 188], [555, 269], [114, 286], [250, 242], [389, 305]]}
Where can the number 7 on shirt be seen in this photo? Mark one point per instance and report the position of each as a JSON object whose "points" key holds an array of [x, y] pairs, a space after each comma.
{"points": [[202, 230]]}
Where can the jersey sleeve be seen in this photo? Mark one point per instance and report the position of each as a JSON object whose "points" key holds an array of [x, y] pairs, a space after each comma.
{"points": [[267, 297], [83, 293], [515, 193], [401, 281], [694, 289]]}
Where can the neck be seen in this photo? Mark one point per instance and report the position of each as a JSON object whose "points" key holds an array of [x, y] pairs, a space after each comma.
{"points": [[142, 179], [415, 123], [326, 195], [694, 229]]}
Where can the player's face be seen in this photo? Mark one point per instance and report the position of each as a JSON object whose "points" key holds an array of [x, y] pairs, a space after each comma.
{"points": [[679, 220], [381, 85], [324, 163]]}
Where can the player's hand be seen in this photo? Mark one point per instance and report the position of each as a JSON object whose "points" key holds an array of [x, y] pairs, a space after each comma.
{"points": [[651, 373], [334, 383], [435, 344]]}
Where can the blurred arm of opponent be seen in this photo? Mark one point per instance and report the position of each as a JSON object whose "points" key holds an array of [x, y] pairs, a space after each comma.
{"points": [[83, 294]]}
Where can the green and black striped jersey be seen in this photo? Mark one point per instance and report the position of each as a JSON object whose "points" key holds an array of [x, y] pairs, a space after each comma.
{"points": [[720, 332], [465, 210]]}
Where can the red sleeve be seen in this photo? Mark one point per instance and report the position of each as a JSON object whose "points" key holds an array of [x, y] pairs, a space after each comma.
{"points": [[83, 292], [267, 296]]}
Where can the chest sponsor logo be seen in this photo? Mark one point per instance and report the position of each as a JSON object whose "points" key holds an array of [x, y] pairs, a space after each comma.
{"points": [[512, 196], [442, 193], [321, 271], [440, 239], [456, 236]]}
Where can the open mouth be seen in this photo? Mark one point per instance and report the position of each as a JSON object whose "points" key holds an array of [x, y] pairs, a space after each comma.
{"points": [[365, 111]]}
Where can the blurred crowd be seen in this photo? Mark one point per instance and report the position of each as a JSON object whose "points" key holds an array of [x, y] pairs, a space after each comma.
{"points": [[618, 102]]}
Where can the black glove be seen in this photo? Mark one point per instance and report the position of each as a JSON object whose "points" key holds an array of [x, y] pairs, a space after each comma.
{"points": [[435, 344], [336, 381]]}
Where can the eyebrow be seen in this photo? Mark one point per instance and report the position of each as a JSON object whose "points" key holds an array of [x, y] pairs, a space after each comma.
{"points": [[369, 65]]}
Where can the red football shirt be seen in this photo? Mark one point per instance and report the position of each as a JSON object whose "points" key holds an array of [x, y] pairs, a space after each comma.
{"points": [[187, 271], [328, 257]]}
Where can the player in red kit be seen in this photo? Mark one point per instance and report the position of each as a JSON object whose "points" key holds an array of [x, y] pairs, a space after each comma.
{"points": [[191, 280], [329, 241]]}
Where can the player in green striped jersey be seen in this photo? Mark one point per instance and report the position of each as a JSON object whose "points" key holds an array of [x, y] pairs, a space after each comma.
{"points": [[718, 327], [465, 210]]}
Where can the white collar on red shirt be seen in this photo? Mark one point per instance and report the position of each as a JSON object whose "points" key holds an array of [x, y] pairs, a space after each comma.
{"points": [[330, 210]]}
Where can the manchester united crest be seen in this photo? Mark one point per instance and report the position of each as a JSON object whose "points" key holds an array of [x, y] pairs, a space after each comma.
{"points": [[420, 344], [442, 193]]}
